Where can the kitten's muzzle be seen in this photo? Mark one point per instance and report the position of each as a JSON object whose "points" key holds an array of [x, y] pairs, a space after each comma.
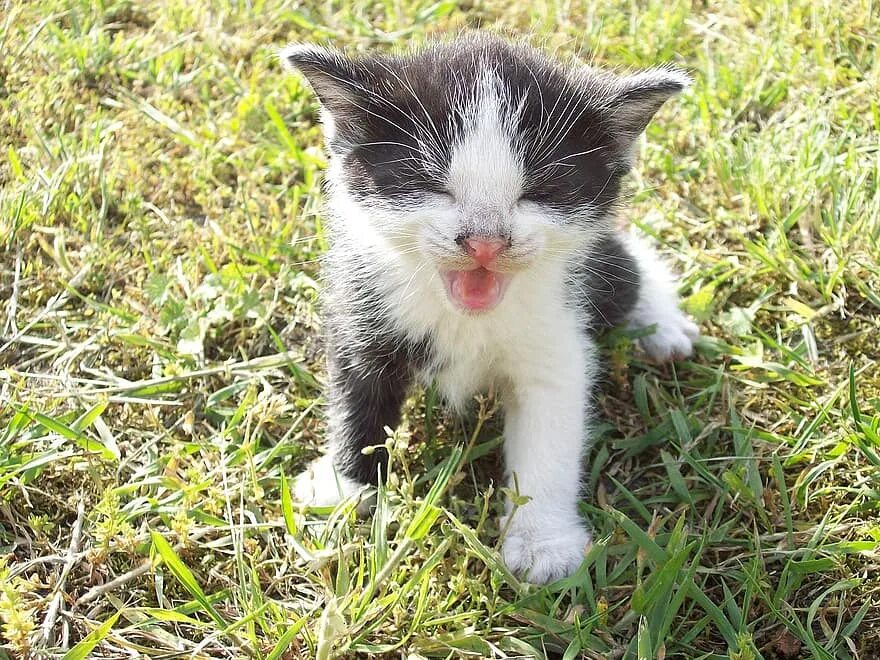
{"points": [[484, 250], [477, 286], [477, 278], [497, 253]]}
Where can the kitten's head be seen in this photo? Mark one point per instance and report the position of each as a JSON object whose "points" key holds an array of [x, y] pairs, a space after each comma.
{"points": [[480, 157]]}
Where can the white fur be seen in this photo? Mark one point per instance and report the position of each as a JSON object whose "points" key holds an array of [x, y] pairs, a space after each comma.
{"points": [[533, 349], [545, 437], [674, 334], [484, 171], [531, 346], [321, 485]]}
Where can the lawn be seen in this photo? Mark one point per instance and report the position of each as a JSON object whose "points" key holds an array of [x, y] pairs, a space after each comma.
{"points": [[161, 368]]}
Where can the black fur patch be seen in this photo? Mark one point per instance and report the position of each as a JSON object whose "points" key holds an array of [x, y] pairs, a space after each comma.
{"points": [[366, 394], [370, 369], [607, 283]]}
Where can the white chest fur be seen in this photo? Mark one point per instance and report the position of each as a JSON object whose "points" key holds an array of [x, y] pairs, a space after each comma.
{"points": [[473, 351]]}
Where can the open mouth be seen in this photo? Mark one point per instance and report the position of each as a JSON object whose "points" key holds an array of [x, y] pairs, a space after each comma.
{"points": [[476, 290]]}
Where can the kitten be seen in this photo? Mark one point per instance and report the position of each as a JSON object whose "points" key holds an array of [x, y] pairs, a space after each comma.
{"points": [[472, 195]]}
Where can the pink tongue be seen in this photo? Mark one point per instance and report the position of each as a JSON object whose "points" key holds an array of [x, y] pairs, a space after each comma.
{"points": [[476, 289]]}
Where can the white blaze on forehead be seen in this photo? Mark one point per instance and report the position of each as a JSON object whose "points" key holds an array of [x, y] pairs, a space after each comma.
{"points": [[485, 169]]}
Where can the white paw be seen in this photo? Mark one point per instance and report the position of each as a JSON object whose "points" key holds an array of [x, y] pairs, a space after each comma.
{"points": [[544, 553], [321, 485], [673, 337]]}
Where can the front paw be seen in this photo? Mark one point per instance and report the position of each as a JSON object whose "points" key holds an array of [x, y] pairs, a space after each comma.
{"points": [[541, 552], [673, 337], [321, 485]]}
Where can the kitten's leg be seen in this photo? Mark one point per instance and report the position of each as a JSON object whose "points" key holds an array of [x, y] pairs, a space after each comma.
{"points": [[365, 395], [545, 438], [657, 305]]}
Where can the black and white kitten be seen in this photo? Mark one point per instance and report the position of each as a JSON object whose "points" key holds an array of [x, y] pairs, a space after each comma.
{"points": [[472, 191]]}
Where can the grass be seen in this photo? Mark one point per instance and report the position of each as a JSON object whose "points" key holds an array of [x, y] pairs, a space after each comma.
{"points": [[160, 376]]}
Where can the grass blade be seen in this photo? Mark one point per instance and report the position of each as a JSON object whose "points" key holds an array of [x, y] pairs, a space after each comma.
{"points": [[82, 650], [184, 576]]}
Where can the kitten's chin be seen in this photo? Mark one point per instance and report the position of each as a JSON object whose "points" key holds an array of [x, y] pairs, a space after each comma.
{"points": [[477, 290]]}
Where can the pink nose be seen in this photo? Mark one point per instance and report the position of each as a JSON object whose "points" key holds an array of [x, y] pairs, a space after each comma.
{"points": [[484, 250]]}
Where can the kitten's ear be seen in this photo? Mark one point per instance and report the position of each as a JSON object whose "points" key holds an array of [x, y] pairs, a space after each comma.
{"points": [[634, 100], [339, 82]]}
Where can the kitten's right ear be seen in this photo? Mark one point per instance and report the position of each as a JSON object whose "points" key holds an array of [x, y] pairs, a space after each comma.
{"points": [[339, 82], [632, 100]]}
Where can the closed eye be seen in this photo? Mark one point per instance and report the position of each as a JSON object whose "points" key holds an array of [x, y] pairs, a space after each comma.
{"points": [[441, 192]]}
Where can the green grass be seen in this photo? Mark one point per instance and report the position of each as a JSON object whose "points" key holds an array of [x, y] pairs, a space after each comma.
{"points": [[160, 373]]}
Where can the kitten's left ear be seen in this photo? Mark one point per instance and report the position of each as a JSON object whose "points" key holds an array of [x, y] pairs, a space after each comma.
{"points": [[634, 100]]}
